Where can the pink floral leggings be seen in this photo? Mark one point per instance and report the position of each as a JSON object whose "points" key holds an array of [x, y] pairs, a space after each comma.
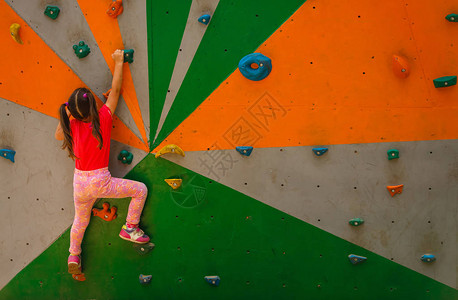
{"points": [[90, 185]]}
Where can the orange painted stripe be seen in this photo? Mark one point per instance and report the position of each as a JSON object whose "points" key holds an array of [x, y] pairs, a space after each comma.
{"points": [[108, 36], [332, 82], [32, 75]]}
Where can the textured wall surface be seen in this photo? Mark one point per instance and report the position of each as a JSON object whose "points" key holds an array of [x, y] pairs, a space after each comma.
{"points": [[271, 225]]}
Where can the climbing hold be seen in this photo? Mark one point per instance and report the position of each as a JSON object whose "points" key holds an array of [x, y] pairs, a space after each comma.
{"points": [[400, 66], [428, 258], [79, 277], [204, 19], [356, 221], [263, 66], [244, 150], [213, 280], [170, 149], [105, 95], [125, 157], [14, 31], [174, 183], [444, 81], [145, 279], [143, 249], [8, 154], [52, 11], [115, 9], [129, 55], [356, 259], [320, 151], [392, 154], [395, 189], [81, 50], [106, 213], [452, 17]]}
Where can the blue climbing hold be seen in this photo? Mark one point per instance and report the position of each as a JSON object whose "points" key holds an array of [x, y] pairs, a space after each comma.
{"points": [[213, 280], [356, 259], [320, 151], [244, 150], [145, 279], [204, 19], [8, 154], [263, 66], [428, 258]]}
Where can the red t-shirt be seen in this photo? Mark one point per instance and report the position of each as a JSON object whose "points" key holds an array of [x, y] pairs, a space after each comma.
{"points": [[85, 145]]}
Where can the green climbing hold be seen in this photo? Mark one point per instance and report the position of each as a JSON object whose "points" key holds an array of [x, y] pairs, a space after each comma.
{"points": [[393, 154], [129, 55], [52, 11], [444, 81], [81, 50], [356, 222], [452, 17], [125, 157]]}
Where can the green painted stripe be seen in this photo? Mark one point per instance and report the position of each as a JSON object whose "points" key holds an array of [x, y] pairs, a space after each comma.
{"points": [[236, 29], [166, 22], [209, 229]]}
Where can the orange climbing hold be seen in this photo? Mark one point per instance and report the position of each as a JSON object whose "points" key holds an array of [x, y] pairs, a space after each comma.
{"points": [[115, 9], [79, 277], [395, 189], [105, 95], [400, 66], [106, 213]]}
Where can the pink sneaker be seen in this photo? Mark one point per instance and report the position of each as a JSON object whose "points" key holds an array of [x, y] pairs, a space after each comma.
{"points": [[133, 234], [74, 264]]}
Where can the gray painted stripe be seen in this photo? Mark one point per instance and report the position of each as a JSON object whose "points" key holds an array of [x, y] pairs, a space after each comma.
{"points": [[132, 23], [350, 181], [61, 34], [36, 192], [192, 37]]}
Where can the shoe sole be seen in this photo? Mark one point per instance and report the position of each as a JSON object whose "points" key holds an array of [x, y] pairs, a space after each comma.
{"points": [[130, 240], [74, 268]]}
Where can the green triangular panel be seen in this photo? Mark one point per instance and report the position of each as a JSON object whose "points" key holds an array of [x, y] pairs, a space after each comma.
{"points": [[256, 250], [166, 23], [228, 39]]}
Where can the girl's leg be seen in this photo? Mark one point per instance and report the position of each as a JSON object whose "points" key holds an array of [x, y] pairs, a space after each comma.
{"points": [[83, 211], [123, 188], [85, 190]]}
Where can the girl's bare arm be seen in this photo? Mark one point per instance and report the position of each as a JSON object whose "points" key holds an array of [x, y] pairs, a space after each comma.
{"points": [[112, 101]]}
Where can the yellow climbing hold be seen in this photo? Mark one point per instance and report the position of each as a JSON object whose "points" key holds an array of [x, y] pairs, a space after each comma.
{"points": [[14, 31], [174, 183], [170, 149]]}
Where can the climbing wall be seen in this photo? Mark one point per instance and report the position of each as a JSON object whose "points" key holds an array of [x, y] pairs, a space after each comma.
{"points": [[350, 82]]}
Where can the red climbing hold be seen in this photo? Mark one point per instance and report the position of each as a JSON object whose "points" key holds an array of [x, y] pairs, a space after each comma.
{"points": [[79, 277], [395, 189], [400, 66], [106, 213], [115, 9]]}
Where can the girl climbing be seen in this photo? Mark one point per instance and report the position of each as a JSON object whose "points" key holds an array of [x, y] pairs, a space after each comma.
{"points": [[86, 136]]}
